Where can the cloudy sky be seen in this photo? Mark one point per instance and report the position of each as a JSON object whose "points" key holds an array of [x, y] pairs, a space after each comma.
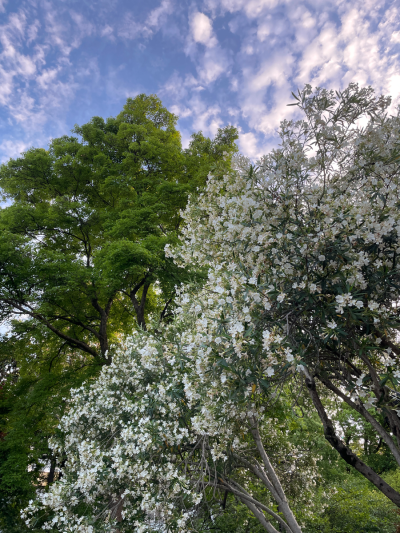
{"points": [[212, 62]]}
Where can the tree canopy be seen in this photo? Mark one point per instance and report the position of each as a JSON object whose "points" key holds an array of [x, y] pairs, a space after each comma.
{"points": [[82, 263], [82, 243], [299, 313]]}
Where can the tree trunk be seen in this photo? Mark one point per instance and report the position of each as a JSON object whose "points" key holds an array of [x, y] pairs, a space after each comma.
{"points": [[140, 307], [278, 492], [344, 451]]}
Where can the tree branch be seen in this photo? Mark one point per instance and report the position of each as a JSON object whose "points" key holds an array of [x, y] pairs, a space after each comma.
{"points": [[344, 451], [73, 342], [368, 417], [246, 496]]}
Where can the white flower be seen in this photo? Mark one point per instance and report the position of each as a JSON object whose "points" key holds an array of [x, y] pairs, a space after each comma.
{"points": [[267, 304], [369, 404], [270, 371], [289, 355], [281, 297], [331, 324], [359, 381], [321, 257], [236, 327]]}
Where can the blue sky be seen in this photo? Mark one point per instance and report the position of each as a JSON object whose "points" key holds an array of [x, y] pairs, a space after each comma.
{"points": [[212, 62]]}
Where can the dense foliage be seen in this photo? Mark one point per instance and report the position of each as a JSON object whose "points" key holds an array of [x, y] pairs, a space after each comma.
{"points": [[82, 243], [82, 262], [307, 245], [280, 372]]}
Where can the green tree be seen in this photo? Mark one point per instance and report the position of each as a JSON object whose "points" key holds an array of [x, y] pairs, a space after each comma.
{"points": [[82, 262], [82, 243]]}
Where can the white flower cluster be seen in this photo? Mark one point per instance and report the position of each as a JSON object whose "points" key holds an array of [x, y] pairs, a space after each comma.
{"points": [[118, 435], [126, 435], [305, 245], [309, 239]]}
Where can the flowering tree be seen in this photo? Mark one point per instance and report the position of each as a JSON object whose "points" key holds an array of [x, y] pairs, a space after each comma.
{"points": [[147, 449], [308, 242], [303, 285]]}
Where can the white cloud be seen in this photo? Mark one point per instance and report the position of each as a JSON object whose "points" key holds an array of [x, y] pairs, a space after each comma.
{"points": [[356, 50], [85, 27], [107, 31], [47, 77], [6, 86], [248, 145], [47, 58], [213, 64], [32, 31], [323, 50], [252, 8], [156, 17], [254, 146], [202, 30], [11, 149], [264, 93], [283, 50], [181, 111], [178, 87], [275, 70], [206, 118], [130, 28], [211, 61]]}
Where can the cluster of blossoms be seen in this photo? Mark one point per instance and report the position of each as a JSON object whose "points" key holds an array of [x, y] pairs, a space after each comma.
{"points": [[303, 251], [146, 440], [304, 248], [302, 254], [118, 435]]}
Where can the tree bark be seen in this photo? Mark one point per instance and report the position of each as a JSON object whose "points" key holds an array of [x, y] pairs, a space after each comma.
{"points": [[50, 477], [140, 307], [103, 335], [70, 340], [368, 417], [260, 516], [278, 493], [245, 498], [344, 451]]}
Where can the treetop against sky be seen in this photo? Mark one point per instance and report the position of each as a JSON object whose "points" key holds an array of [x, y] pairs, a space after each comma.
{"points": [[213, 62]]}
